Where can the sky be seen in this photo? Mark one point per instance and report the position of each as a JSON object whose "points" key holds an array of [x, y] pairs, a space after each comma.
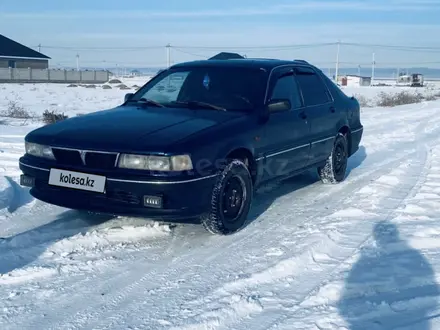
{"points": [[109, 33]]}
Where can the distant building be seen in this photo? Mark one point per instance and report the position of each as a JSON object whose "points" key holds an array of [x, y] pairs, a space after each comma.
{"points": [[135, 73], [413, 80], [16, 55], [354, 81]]}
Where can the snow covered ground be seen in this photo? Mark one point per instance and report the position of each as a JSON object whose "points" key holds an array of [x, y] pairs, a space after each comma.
{"points": [[363, 254], [36, 98]]}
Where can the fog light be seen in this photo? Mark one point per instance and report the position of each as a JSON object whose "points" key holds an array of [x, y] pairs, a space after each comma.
{"points": [[27, 181], [153, 201]]}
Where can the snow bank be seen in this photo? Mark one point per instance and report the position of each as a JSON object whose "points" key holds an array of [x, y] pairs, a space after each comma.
{"points": [[6, 193], [115, 237]]}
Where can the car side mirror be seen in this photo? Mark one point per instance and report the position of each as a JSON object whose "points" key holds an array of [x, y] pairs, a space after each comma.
{"points": [[128, 97], [277, 105]]}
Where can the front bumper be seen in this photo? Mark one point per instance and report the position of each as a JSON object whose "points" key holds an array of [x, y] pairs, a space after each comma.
{"points": [[179, 199]]}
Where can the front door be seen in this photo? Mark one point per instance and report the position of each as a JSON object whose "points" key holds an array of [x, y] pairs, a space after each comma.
{"points": [[286, 135]]}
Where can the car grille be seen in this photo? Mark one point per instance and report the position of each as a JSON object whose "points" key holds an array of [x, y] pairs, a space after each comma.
{"points": [[90, 159], [67, 157], [100, 160], [124, 197]]}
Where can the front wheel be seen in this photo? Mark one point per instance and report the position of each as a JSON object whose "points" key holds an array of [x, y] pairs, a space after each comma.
{"points": [[231, 200], [336, 164]]}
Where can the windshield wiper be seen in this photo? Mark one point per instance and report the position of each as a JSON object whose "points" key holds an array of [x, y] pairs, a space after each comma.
{"points": [[199, 105], [150, 102]]}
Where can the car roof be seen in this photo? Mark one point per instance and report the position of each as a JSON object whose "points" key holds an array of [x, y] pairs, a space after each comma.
{"points": [[242, 62]]}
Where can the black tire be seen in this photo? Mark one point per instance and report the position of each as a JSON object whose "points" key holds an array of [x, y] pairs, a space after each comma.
{"points": [[227, 219], [335, 167]]}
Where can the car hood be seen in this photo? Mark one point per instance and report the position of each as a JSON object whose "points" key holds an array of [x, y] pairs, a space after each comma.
{"points": [[129, 128]]}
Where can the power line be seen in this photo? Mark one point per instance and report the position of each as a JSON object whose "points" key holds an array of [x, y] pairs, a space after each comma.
{"points": [[291, 46], [189, 53], [102, 48], [180, 50], [272, 47], [399, 47]]}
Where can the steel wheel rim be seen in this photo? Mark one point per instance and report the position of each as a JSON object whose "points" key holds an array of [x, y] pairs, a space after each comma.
{"points": [[339, 158], [233, 198]]}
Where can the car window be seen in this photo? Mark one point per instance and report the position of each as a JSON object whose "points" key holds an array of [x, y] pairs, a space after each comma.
{"points": [[313, 89], [286, 88], [334, 89], [167, 90], [232, 88]]}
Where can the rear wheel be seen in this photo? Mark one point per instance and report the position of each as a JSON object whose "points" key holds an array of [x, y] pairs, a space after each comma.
{"points": [[336, 164], [231, 200]]}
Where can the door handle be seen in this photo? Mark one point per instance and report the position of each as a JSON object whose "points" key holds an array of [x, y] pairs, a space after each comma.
{"points": [[302, 115], [332, 109]]}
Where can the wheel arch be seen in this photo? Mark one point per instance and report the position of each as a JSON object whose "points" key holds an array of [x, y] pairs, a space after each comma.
{"points": [[246, 155], [345, 130]]}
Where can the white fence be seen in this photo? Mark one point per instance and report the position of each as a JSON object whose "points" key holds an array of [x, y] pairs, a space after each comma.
{"points": [[12, 75]]}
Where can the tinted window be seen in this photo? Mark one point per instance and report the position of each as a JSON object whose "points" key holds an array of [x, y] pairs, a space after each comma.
{"points": [[286, 88], [334, 89], [312, 87], [233, 88], [167, 89]]}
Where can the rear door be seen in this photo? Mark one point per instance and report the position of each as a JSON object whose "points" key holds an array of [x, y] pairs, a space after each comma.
{"points": [[286, 140], [322, 114]]}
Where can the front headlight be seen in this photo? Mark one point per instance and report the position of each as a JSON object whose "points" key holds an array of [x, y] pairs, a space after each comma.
{"points": [[38, 150], [155, 163]]}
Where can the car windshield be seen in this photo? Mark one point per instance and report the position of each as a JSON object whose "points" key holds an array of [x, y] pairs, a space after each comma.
{"points": [[206, 87]]}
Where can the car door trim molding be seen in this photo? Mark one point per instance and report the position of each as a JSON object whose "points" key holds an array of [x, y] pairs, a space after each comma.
{"points": [[287, 150], [323, 140], [295, 148]]}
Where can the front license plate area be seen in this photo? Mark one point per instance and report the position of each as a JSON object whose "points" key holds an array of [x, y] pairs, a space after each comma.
{"points": [[77, 180]]}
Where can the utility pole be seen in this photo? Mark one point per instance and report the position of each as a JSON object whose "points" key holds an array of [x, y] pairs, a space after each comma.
{"points": [[372, 68], [168, 47], [359, 70], [39, 48], [337, 61], [77, 62]]}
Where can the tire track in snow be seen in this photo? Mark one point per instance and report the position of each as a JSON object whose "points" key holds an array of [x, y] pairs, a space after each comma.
{"points": [[186, 260], [420, 124], [251, 237], [310, 281], [312, 303]]}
